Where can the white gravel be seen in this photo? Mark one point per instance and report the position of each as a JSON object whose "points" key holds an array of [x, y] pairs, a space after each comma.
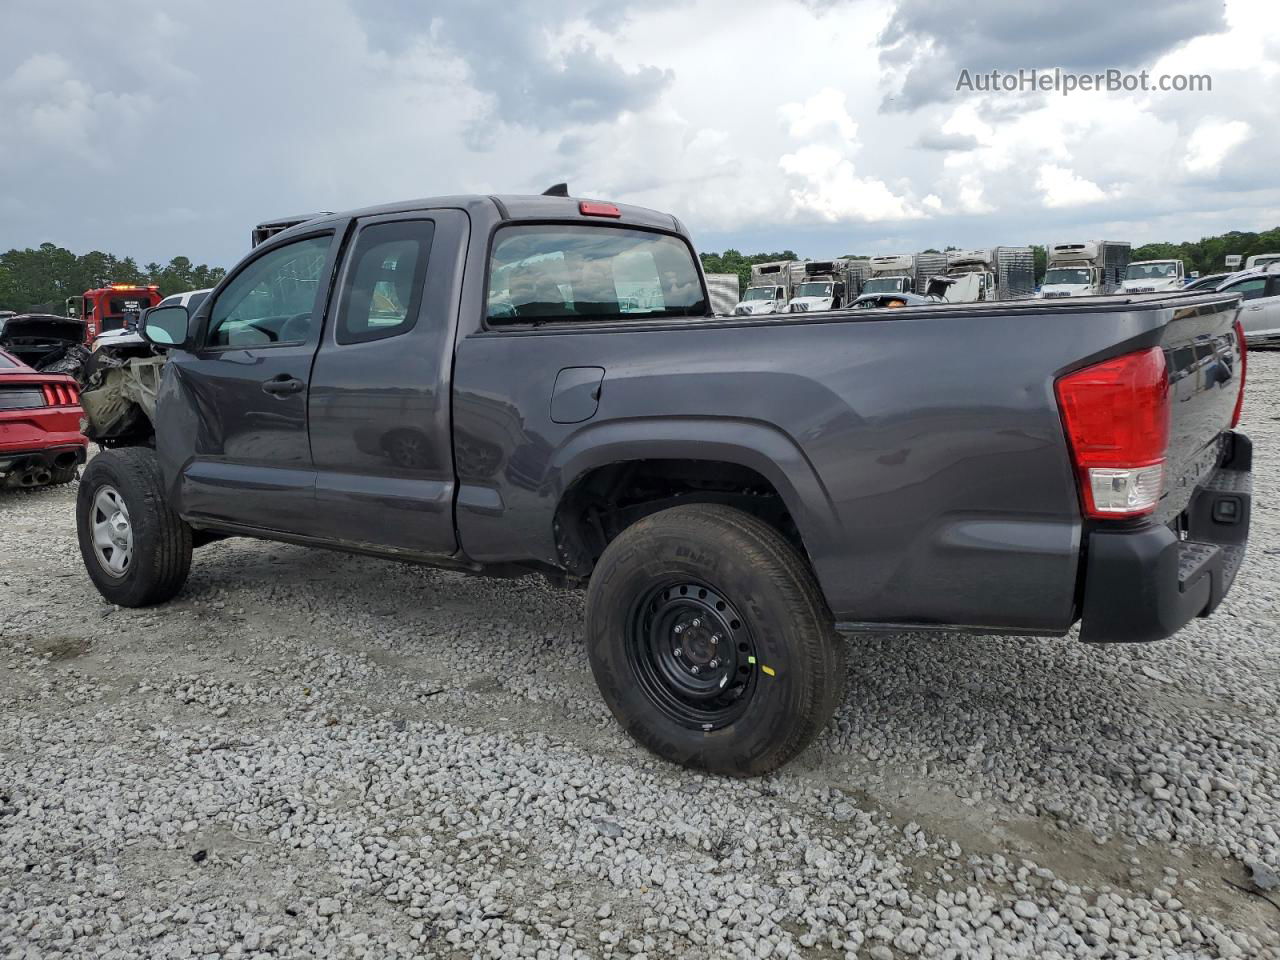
{"points": [[309, 754]]}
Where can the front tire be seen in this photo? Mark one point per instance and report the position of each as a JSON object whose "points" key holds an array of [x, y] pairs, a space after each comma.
{"points": [[136, 550], [711, 642]]}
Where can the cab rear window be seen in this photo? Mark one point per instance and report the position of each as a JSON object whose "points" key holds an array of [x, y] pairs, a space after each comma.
{"points": [[553, 273]]}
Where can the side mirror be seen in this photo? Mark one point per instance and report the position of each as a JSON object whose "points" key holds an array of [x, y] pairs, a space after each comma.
{"points": [[167, 326]]}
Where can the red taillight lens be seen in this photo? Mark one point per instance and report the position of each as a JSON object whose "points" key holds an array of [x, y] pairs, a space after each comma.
{"points": [[1244, 366], [59, 395], [1116, 415], [590, 208]]}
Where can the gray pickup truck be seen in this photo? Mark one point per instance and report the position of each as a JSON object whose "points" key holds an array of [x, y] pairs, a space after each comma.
{"points": [[507, 385]]}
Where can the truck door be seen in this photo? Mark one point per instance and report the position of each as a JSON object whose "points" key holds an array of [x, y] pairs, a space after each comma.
{"points": [[238, 435], [379, 407]]}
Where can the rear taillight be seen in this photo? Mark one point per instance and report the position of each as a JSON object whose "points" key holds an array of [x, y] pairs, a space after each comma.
{"points": [[59, 395], [1116, 415], [1244, 366]]}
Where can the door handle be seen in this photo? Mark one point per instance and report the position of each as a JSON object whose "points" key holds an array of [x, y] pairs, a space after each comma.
{"points": [[283, 384]]}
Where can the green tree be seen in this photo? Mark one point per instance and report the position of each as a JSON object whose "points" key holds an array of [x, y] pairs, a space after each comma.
{"points": [[42, 279], [733, 261]]}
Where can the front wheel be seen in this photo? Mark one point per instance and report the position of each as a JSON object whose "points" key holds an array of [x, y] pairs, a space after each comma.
{"points": [[136, 550], [710, 640]]}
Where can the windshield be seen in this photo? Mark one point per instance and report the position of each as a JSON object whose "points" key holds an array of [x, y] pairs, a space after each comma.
{"points": [[761, 293], [883, 285], [1150, 271], [550, 273], [813, 289], [1066, 275]]}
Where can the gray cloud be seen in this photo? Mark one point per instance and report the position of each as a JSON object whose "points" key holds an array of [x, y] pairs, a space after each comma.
{"points": [[947, 141], [505, 46], [936, 39]]}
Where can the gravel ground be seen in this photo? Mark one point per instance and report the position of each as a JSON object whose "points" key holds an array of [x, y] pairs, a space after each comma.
{"points": [[308, 754]]}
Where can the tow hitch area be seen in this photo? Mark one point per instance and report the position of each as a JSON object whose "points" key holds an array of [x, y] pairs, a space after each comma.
{"points": [[1146, 584]]}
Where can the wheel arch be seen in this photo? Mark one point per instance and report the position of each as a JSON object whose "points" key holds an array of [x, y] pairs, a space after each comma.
{"points": [[734, 449]]}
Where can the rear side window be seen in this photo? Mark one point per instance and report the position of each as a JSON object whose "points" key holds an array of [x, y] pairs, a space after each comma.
{"points": [[553, 273], [1252, 289], [382, 293]]}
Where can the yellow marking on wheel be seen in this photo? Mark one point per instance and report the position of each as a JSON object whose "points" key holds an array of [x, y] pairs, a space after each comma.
{"points": [[768, 670]]}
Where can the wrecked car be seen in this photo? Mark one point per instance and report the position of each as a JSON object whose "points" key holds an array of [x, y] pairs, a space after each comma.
{"points": [[44, 341], [40, 438], [119, 379]]}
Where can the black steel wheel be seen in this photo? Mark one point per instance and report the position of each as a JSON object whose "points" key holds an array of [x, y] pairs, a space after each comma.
{"points": [[693, 654], [710, 640]]}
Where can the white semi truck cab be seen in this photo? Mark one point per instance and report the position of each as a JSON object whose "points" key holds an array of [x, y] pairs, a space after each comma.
{"points": [[892, 274], [1154, 276], [1084, 268], [822, 286], [979, 264], [768, 298], [768, 291], [1260, 260]]}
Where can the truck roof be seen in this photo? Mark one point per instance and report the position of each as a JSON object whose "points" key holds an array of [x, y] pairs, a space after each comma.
{"points": [[507, 207]]}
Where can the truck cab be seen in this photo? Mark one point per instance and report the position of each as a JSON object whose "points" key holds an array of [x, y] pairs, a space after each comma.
{"points": [[893, 273], [1154, 276], [768, 298], [112, 307], [822, 287], [1071, 279]]}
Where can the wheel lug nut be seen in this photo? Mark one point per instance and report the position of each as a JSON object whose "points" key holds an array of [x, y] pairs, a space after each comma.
{"points": [[678, 651], [715, 639], [694, 669], [679, 628], [713, 664], [697, 621]]}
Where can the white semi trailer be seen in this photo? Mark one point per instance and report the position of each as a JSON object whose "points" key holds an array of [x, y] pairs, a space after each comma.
{"points": [[725, 293], [1084, 268], [768, 291], [1002, 273]]}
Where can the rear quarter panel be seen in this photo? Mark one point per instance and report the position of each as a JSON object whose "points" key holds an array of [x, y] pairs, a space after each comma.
{"points": [[920, 452]]}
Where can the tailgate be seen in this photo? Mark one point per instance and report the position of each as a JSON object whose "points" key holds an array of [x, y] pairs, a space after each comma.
{"points": [[1205, 363]]}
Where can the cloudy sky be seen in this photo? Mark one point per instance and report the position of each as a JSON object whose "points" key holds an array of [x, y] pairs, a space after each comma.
{"points": [[152, 129]]}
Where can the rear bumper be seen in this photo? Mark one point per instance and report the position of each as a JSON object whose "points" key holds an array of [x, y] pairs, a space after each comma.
{"points": [[1146, 584], [19, 461]]}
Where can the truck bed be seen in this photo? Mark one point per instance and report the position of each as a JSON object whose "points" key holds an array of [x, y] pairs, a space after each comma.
{"points": [[920, 451]]}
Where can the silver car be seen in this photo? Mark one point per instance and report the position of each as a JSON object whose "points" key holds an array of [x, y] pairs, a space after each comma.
{"points": [[1260, 312]]}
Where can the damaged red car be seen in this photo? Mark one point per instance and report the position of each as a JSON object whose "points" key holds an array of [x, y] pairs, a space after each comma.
{"points": [[40, 438]]}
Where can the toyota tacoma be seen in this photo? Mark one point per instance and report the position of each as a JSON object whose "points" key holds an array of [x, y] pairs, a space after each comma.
{"points": [[516, 384]]}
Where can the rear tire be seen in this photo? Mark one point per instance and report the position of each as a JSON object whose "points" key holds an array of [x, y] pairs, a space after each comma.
{"points": [[136, 550], [709, 587]]}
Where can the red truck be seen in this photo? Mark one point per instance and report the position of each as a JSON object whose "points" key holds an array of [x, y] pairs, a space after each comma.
{"points": [[40, 438], [108, 308]]}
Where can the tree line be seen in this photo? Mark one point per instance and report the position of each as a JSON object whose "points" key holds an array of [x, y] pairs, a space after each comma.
{"points": [[41, 280], [1207, 255]]}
